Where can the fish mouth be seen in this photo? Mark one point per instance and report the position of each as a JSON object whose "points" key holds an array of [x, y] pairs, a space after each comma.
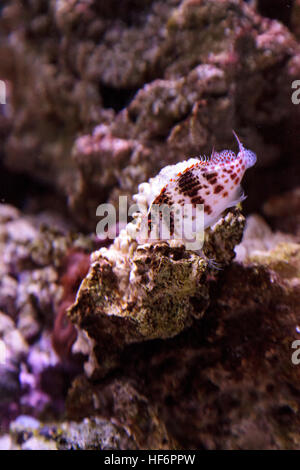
{"points": [[250, 158]]}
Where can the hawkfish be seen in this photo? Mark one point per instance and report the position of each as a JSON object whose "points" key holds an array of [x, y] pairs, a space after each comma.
{"points": [[206, 185]]}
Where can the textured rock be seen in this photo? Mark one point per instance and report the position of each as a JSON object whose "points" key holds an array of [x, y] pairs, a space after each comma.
{"points": [[32, 259], [259, 238], [124, 405], [14, 349], [229, 381], [178, 354], [137, 292], [157, 81], [143, 431], [33, 253]]}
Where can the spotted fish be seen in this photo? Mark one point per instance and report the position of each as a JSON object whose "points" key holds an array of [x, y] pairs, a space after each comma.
{"points": [[213, 181]]}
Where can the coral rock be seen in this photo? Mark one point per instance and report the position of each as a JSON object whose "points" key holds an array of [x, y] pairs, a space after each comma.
{"points": [[136, 292]]}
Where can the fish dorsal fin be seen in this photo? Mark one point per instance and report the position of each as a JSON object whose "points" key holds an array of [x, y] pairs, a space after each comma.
{"points": [[206, 160], [241, 147], [225, 156]]}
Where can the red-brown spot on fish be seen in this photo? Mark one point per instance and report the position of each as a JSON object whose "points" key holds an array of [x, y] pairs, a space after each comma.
{"points": [[218, 189]]}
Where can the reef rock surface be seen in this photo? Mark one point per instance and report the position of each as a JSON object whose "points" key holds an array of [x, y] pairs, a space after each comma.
{"points": [[227, 380], [137, 292], [102, 97], [165, 351]]}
